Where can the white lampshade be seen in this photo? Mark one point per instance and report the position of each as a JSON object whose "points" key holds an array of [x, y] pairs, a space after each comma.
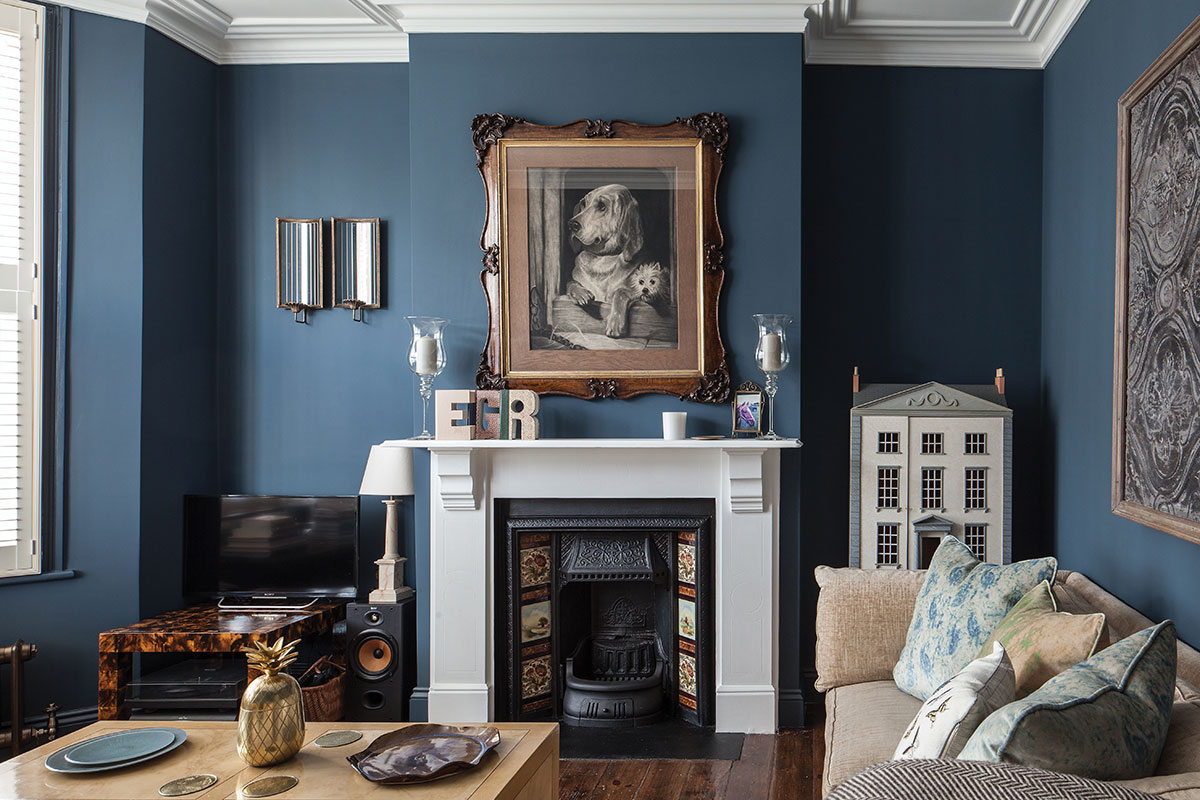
{"points": [[389, 471]]}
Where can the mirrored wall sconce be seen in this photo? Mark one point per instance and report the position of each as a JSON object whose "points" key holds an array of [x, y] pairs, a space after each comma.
{"points": [[356, 264], [299, 256]]}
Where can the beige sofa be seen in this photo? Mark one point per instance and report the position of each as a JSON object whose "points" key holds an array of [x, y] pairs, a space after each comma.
{"points": [[862, 620]]}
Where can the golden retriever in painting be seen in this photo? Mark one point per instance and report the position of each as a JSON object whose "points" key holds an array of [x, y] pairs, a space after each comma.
{"points": [[606, 233]]}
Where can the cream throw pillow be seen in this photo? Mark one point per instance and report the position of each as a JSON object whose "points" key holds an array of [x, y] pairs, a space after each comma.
{"points": [[1043, 641], [957, 707]]}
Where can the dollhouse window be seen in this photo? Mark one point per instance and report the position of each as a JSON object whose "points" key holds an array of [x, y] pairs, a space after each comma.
{"points": [[975, 488], [889, 487], [975, 537], [887, 545], [931, 488], [889, 441], [931, 444], [975, 444]]}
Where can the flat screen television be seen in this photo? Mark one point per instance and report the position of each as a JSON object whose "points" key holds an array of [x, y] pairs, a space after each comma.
{"points": [[270, 545]]}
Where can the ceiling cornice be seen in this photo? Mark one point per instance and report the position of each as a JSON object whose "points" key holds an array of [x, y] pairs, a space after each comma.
{"points": [[599, 16], [836, 31], [839, 34]]}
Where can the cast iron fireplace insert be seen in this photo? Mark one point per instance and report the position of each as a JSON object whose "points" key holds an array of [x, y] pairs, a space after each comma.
{"points": [[605, 611]]}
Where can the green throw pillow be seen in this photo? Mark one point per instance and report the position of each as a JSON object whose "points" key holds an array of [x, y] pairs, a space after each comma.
{"points": [[959, 605], [1105, 718], [1042, 641]]}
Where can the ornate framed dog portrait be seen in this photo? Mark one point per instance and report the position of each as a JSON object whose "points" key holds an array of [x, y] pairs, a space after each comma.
{"points": [[1156, 366], [603, 257]]}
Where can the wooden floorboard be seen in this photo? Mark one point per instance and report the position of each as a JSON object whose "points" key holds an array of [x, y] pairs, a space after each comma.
{"points": [[791, 777], [750, 776], [707, 779], [622, 780], [578, 778], [785, 766], [665, 779]]}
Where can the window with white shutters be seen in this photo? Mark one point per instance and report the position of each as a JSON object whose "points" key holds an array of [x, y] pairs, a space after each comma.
{"points": [[21, 113]]}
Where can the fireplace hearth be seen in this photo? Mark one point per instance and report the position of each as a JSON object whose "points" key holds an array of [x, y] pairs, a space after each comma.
{"points": [[606, 612]]}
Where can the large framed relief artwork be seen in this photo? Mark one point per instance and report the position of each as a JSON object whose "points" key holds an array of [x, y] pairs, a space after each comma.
{"points": [[1156, 380], [603, 259]]}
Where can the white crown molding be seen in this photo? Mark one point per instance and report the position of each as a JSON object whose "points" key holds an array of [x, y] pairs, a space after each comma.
{"points": [[598, 16], [131, 10], [251, 41], [839, 35], [193, 23], [835, 32]]}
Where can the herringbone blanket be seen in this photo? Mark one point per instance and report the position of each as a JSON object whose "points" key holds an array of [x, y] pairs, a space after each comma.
{"points": [[950, 779]]}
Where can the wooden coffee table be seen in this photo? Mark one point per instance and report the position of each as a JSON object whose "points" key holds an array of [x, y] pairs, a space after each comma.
{"points": [[523, 767]]}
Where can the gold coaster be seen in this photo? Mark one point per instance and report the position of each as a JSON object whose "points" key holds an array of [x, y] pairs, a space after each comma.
{"points": [[337, 738], [189, 785], [265, 787]]}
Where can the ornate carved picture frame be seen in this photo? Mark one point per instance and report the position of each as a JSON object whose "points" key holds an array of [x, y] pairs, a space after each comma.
{"points": [[1156, 365], [603, 261]]}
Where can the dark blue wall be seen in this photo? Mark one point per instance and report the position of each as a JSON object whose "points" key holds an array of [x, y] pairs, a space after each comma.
{"points": [[752, 79], [179, 307], [1108, 49], [104, 378], [922, 235], [300, 405]]}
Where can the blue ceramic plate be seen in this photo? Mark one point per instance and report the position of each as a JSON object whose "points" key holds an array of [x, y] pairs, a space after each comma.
{"points": [[119, 746], [57, 762]]}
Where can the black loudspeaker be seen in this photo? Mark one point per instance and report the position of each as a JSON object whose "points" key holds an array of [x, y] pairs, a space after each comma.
{"points": [[381, 661]]}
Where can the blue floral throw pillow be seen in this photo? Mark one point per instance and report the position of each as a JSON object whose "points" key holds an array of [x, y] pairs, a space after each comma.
{"points": [[960, 604], [1104, 718]]}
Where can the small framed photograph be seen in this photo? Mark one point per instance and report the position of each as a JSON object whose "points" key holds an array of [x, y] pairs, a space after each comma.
{"points": [[748, 408]]}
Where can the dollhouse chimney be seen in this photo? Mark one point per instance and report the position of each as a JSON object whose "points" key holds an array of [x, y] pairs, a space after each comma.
{"points": [[1000, 381], [854, 381]]}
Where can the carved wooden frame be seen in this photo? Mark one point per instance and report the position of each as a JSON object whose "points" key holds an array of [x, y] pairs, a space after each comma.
{"points": [[1177, 526], [707, 384]]}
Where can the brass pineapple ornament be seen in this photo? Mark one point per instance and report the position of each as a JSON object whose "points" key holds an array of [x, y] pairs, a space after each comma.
{"points": [[271, 718]]}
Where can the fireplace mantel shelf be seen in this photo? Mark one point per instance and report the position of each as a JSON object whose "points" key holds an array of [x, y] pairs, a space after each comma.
{"points": [[596, 444]]}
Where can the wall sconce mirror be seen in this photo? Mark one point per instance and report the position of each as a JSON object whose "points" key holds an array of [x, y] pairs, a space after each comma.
{"points": [[356, 264], [299, 257]]}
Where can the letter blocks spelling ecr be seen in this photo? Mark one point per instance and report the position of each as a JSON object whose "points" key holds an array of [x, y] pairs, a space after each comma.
{"points": [[486, 414]]}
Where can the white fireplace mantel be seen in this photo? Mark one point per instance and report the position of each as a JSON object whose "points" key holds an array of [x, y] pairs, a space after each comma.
{"points": [[741, 476]]}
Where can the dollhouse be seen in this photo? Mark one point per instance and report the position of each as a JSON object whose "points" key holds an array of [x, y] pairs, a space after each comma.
{"points": [[925, 461]]}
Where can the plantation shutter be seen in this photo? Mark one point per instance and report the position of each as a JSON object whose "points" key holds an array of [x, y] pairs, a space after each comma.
{"points": [[21, 78]]}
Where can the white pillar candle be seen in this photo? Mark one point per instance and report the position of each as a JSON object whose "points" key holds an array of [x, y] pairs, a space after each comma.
{"points": [[772, 352], [427, 355], [674, 424]]}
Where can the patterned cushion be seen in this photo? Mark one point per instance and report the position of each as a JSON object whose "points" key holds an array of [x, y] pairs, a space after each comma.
{"points": [[1043, 641], [955, 709], [946, 779], [960, 604], [1106, 718]]}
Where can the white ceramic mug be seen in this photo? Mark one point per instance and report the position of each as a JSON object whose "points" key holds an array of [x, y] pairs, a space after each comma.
{"points": [[674, 424]]}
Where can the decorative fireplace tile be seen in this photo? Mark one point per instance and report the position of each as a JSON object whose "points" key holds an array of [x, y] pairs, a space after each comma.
{"points": [[687, 619], [535, 566], [687, 563], [535, 677], [535, 621], [687, 675]]}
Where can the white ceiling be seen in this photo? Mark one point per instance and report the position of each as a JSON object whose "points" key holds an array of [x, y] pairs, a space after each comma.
{"points": [[974, 33]]}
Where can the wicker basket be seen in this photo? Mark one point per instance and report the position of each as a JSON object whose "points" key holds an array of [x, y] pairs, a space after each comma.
{"points": [[327, 702]]}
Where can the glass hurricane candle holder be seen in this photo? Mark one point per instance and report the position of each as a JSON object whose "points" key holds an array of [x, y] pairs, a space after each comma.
{"points": [[771, 356], [427, 359]]}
